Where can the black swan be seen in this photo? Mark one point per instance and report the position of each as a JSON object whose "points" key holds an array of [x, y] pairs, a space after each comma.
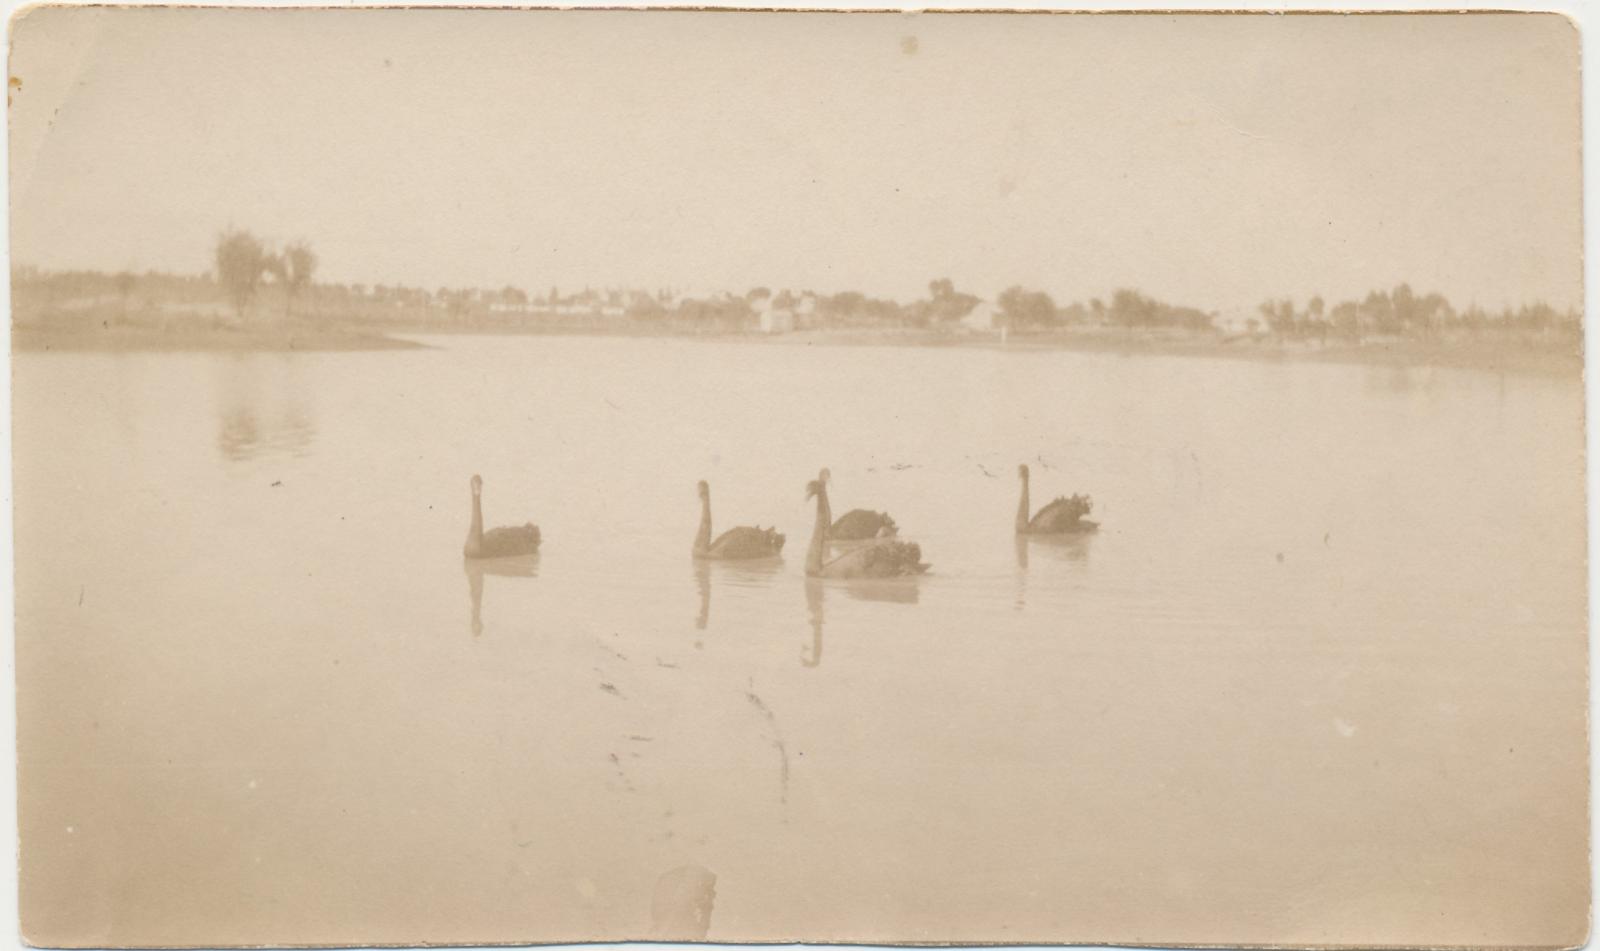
{"points": [[1064, 516], [885, 558], [741, 542], [858, 524], [497, 542]]}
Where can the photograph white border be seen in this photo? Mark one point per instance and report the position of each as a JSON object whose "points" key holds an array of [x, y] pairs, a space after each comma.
{"points": [[1585, 16]]}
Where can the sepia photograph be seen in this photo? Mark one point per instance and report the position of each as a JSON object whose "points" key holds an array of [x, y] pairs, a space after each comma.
{"points": [[531, 476]]}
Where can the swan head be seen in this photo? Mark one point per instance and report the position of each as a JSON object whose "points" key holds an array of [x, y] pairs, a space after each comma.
{"points": [[477, 484], [813, 489], [704, 489], [824, 476], [1022, 472]]}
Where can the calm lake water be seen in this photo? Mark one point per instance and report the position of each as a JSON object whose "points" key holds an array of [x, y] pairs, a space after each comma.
{"points": [[1321, 675]]}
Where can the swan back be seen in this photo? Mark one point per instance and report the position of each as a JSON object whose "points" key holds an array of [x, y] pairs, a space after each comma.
{"points": [[858, 524], [507, 542], [887, 558], [746, 542], [1064, 515]]}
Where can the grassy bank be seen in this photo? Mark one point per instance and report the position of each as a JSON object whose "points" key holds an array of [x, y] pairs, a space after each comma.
{"points": [[1487, 355], [276, 339], [1477, 354]]}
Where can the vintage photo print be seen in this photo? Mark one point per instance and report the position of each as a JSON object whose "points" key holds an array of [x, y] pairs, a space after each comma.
{"points": [[548, 476]]}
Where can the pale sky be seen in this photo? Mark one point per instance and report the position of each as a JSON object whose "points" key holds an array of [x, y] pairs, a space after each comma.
{"points": [[1207, 160]]}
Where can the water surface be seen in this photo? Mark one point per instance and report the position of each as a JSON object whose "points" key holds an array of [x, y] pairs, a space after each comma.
{"points": [[1321, 677]]}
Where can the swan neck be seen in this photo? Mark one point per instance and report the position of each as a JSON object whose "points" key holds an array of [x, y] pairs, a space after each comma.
{"points": [[1022, 507], [819, 534], [475, 530], [702, 538]]}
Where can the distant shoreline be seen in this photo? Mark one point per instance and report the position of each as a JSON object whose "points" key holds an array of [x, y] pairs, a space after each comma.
{"points": [[1482, 355], [1475, 355], [133, 339]]}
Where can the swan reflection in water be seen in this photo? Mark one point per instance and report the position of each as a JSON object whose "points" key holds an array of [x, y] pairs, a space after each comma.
{"points": [[814, 598], [702, 583], [889, 590], [1062, 549], [1056, 548], [751, 573], [516, 566]]}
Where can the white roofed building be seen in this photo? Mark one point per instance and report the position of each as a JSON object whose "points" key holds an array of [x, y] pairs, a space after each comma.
{"points": [[984, 317]]}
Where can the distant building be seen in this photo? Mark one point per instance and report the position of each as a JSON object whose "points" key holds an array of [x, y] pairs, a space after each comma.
{"points": [[805, 311], [777, 321], [774, 318], [1238, 320], [984, 317], [784, 312]]}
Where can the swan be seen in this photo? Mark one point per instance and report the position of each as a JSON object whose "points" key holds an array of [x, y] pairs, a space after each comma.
{"points": [[497, 542], [858, 524], [887, 557], [1064, 516], [741, 542]]}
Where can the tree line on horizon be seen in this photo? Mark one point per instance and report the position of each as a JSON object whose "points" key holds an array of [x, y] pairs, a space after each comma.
{"points": [[1016, 308], [1401, 312], [243, 265], [242, 261]]}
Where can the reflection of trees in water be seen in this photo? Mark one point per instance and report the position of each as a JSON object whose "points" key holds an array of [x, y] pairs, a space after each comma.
{"points": [[521, 566], [298, 428], [1396, 380], [1400, 378], [252, 425], [240, 433], [244, 435]]}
